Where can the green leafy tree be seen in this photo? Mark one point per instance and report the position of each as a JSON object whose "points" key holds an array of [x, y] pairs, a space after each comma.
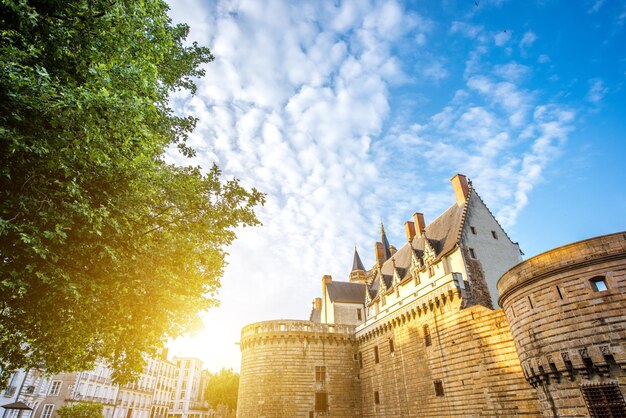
{"points": [[81, 410], [222, 389], [106, 250]]}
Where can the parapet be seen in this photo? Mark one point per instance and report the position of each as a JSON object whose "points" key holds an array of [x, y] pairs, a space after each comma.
{"points": [[604, 248], [288, 328]]}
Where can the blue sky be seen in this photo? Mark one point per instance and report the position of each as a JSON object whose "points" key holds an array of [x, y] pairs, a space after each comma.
{"points": [[349, 112]]}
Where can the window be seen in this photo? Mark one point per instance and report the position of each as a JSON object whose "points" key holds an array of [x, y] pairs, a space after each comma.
{"points": [[358, 314], [321, 401], [431, 271], [438, 388], [558, 289], [392, 349], [311, 414], [376, 398], [494, 234], [427, 341], [320, 373], [472, 253], [604, 399], [376, 354], [47, 411], [473, 230], [598, 284], [55, 388], [360, 360]]}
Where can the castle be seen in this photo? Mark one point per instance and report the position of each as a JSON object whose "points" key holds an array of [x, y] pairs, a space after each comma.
{"points": [[416, 335]]}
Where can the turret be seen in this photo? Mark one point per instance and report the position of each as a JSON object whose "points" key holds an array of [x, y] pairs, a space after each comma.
{"points": [[357, 275]]}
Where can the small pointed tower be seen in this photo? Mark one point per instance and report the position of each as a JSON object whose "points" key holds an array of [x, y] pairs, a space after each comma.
{"points": [[385, 242], [357, 275]]}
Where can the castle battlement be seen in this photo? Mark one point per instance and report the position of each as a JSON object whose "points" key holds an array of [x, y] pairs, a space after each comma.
{"points": [[285, 327]]}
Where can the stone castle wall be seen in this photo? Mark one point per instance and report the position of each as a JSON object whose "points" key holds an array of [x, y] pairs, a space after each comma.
{"points": [[471, 353], [567, 333], [278, 370]]}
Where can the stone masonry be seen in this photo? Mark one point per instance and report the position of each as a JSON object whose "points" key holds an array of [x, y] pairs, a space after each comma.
{"points": [[567, 312]]}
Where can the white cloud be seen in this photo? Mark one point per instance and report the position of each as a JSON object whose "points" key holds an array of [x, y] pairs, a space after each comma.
{"points": [[543, 58], [290, 105], [434, 70], [465, 29], [528, 39], [597, 90], [298, 103], [596, 6], [512, 71], [496, 132], [502, 38]]}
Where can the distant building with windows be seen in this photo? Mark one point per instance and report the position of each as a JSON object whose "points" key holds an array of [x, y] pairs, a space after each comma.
{"points": [[153, 395], [417, 335], [188, 395]]}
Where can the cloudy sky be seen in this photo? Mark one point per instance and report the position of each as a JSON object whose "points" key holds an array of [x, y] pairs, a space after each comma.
{"points": [[349, 112]]}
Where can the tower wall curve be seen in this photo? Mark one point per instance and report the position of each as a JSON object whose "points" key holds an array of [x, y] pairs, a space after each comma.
{"points": [[286, 365], [567, 309]]}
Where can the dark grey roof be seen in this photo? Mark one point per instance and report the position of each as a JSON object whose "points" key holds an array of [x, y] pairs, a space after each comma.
{"points": [[316, 315], [385, 241], [442, 235], [346, 292], [357, 264]]}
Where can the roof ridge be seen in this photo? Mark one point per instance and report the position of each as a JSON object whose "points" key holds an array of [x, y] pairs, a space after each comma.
{"points": [[464, 213]]}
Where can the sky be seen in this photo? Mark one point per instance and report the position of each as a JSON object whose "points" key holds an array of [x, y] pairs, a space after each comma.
{"points": [[347, 113]]}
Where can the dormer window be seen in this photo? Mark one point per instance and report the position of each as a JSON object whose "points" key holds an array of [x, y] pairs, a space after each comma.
{"points": [[473, 230]]}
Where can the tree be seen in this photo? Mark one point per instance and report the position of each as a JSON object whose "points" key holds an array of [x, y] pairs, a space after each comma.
{"points": [[81, 410], [106, 250], [222, 389]]}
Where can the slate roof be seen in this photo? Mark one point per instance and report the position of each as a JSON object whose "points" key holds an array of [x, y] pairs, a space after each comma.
{"points": [[357, 264], [346, 292], [316, 315], [442, 234]]}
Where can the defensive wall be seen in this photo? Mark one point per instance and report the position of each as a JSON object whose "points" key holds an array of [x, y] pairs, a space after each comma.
{"points": [[566, 310], [434, 357], [287, 364]]}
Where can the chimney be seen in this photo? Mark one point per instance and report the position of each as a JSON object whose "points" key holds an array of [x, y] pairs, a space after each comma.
{"points": [[380, 253], [420, 225], [318, 304], [409, 228], [461, 189]]}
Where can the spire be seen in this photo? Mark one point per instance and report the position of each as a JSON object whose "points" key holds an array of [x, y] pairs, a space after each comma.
{"points": [[357, 264], [384, 240]]}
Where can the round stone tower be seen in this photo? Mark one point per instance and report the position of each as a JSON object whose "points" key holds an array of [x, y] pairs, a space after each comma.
{"points": [[298, 369], [567, 312]]}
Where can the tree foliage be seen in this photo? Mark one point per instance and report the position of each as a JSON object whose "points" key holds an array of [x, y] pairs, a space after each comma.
{"points": [[222, 389], [80, 410], [106, 250]]}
